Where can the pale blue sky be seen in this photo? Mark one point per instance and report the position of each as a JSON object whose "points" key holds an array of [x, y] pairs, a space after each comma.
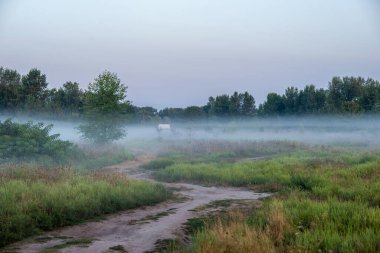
{"points": [[179, 52]]}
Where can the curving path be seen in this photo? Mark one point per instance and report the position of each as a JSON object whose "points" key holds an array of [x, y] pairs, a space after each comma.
{"points": [[137, 230]]}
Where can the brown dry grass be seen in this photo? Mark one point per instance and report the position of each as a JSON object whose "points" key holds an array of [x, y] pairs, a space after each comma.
{"points": [[235, 235], [113, 178], [33, 173], [278, 224]]}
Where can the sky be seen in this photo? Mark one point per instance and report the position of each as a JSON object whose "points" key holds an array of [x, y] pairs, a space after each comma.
{"points": [[176, 53]]}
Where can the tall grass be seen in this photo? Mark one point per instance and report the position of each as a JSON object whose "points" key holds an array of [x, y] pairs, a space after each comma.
{"points": [[346, 176], [158, 164], [35, 199], [235, 235], [327, 200], [225, 151], [101, 160]]}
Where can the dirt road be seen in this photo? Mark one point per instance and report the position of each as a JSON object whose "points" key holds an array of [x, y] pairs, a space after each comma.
{"points": [[137, 230]]}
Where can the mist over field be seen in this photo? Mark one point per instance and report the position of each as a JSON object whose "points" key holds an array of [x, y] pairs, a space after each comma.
{"points": [[331, 130], [190, 126]]}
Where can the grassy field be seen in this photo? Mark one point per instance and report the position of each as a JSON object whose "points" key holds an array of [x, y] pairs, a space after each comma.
{"points": [[326, 200], [46, 183], [96, 158], [36, 199]]}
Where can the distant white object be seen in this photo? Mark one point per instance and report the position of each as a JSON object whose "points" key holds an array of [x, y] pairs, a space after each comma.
{"points": [[162, 127]]}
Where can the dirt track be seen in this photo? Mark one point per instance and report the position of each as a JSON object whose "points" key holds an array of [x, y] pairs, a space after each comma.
{"points": [[137, 230]]}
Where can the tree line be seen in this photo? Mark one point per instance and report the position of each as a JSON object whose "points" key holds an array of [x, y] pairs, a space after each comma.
{"points": [[344, 95], [30, 94]]}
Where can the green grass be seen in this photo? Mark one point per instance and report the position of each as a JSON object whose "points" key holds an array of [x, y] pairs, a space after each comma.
{"points": [[100, 160], [157, 164], [222, 152], [84, 242], [329, 200], [35, 199], [119, 248]]}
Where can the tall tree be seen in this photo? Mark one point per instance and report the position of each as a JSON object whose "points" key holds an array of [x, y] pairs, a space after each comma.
{"points": [[34, 91], [291, 100], [222, 105], [10, 87], [210, 106], [193, 112], [171, 113], [344, 93], [370, 100], [312, 100], [274, 105], [248, 105], [105, 106], [236, 104], [73, 97], [145, 113]]}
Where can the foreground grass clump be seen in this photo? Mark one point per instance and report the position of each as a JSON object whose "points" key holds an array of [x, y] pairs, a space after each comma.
{"points": [[35, 199], [327, 200], [295, 225], [233, 234], [334, 225]]}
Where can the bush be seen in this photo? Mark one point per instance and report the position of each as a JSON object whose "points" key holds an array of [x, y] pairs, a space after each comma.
{"points": [[158, 164], [30, 141]]}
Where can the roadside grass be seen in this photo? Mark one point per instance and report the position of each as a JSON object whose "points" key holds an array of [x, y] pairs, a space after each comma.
{"points": [[84, 242], [97, 160], [35, 199], [327, 200], [81, 158], [157, 164], [222, 152]]}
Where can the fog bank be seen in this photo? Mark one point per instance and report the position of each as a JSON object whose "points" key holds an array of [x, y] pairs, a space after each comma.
{"points": [[363, 131]]}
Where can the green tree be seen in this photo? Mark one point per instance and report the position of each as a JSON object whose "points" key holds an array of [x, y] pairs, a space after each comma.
{"points": [[146, 113], [55, 101], [344, 93], [209, 108], [236, 104], [370, 100], [248, 107], [193, 112], [73, 98], [291, 100], [10, 87], [66, 100], [274, 105], [104, 110], [34, 90], [222, 105], [312, 100]]}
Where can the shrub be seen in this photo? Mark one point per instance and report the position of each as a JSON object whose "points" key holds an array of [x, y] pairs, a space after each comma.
{"points": [[30, 141]]}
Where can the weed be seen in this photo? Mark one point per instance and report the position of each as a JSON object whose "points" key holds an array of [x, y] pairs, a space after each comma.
{"points": [[157, 164], [83, 242], [119, 248]]}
